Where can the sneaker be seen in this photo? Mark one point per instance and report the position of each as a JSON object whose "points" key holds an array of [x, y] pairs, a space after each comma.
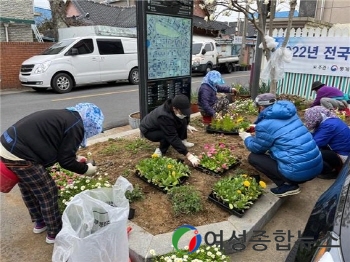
{"points": [[158, 152], [50, 239], [285, 190], [39, 227], [187, 144]]}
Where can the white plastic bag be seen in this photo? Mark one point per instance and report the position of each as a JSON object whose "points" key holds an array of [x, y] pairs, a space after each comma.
{"points": [[95, 226]]}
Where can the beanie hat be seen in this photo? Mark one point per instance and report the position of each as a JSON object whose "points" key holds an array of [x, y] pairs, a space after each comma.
{"points": [[316, 85], [265, 99]]}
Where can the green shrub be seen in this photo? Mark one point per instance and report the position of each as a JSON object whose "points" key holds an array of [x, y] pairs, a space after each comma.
{"points": [[135, 195], [185, 200]]}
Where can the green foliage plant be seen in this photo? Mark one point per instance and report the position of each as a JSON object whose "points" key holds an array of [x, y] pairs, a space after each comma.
{"points": [[185, 200], [238, 191], [246, 106], [217, 157], [164, 172], [137, 145], [135, 195]]}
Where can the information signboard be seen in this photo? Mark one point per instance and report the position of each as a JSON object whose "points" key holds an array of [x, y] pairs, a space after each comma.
{"points": [[164, 48]]}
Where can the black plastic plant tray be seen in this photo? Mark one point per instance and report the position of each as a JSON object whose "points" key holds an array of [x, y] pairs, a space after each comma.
{"points": [[214, 173], [225, 206], [210, 130], [182, 180]]}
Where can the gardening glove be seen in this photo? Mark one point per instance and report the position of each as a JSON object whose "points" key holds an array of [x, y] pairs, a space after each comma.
{"points": [[193, 159], [191, 128], [91, 169], [81, 159], [244, 135]]}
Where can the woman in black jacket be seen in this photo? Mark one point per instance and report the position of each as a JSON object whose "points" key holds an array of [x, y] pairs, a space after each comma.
{"points": [[168, 125], [38, 141]]}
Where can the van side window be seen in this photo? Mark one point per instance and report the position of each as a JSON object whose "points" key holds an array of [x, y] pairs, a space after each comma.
{"points": [[84, 46], [110, 46], [209, 47]]}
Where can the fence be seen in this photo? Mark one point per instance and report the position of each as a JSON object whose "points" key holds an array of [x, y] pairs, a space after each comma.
{"points": [[300, 83]]}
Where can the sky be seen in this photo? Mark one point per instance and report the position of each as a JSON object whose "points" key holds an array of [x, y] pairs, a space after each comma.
{"points": [[42, 3]]}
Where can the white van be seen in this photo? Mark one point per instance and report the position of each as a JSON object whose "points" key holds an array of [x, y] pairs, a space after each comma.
{"points": [[81, 61]]}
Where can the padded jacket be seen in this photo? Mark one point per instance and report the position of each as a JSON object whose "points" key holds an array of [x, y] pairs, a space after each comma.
{"points": [[47, 137], [207, 97], [280, 132]]}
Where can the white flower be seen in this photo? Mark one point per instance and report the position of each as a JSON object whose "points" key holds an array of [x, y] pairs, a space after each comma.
{"points": [[75, 187], [201, 6], [87, 181], [106, 174], [209, 253], [218, 253], [89, 154], [186, 247], [100, 178], [185, 256], [223, 256], [206, 18], [82, 188], [211, 17], [152, 252], [70, 198]]}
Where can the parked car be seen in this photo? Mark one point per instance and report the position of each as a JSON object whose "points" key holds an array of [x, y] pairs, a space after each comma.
{"points": [[326, 236], [81, 61]]}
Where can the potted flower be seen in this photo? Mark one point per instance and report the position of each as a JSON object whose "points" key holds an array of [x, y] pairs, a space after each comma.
{"points": [[237, 193], [162, 172], [229, 123], [217, 158], [194, 102]]}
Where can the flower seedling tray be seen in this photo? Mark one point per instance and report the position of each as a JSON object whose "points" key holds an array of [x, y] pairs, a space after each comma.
{"points": [[223, 205], [211, 130], [215, 173], [182, 180]]}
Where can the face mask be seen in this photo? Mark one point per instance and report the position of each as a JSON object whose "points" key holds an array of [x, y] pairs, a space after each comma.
{"points": [[180, 116]]}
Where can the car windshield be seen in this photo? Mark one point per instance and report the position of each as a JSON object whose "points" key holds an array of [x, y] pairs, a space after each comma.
{"points": [[196, 48], [58, 47]]}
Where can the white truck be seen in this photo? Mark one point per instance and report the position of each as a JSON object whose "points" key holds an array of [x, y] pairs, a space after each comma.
{"points": [[214, 53]]}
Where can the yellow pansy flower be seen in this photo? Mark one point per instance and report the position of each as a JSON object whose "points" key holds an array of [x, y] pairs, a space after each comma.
{"points": [[246, 183], [239, 192], [262, 184], [155, 156], [170, 166]]}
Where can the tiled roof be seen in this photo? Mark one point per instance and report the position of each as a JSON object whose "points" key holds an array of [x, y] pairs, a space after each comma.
{"points": [[102, 14]]}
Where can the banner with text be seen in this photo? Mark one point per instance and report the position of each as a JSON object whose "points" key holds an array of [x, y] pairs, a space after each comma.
{"points": [[318, 55]]}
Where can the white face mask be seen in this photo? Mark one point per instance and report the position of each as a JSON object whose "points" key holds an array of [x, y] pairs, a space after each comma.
{"points": [[180, 116]]}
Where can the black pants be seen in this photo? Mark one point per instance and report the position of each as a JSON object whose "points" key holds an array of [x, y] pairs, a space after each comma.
{"points": [[158, 136], [268, 166], [331, 161]]}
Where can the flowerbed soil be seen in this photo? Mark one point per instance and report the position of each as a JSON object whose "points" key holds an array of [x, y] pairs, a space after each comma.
{"points": [[118, 157]]}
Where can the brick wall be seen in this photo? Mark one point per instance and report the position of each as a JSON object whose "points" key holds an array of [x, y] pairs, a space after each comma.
{"points": [[11, 57], [17, 9]]}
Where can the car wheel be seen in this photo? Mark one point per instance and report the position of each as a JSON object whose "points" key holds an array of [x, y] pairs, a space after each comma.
{"points": [[62, 83], [207, 69], [229, 68], [38, 89], [134, 76]]}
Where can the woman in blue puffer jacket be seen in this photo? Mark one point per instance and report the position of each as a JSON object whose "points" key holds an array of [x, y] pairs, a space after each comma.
{"points": [[283, 149]]}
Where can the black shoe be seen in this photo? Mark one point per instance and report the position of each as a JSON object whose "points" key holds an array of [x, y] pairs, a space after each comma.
{"points": [[331, 175], [285, 190]]}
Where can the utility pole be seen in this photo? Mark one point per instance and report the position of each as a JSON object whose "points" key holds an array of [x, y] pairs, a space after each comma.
{"points": [[254, 85]]}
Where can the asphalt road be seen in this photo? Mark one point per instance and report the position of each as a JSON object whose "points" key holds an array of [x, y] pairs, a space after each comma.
{"points": [[116, 101]]}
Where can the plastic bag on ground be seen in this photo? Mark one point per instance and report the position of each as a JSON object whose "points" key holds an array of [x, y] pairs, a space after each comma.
{"points": [[95, 226]]}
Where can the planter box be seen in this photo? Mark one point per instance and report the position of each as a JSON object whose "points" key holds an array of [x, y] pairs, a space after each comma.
{"points": [[222, 204], [182, 180], [214, 173]]}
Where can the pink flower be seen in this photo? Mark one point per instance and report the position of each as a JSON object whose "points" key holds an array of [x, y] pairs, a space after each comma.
{"points": [[224, 166]]}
